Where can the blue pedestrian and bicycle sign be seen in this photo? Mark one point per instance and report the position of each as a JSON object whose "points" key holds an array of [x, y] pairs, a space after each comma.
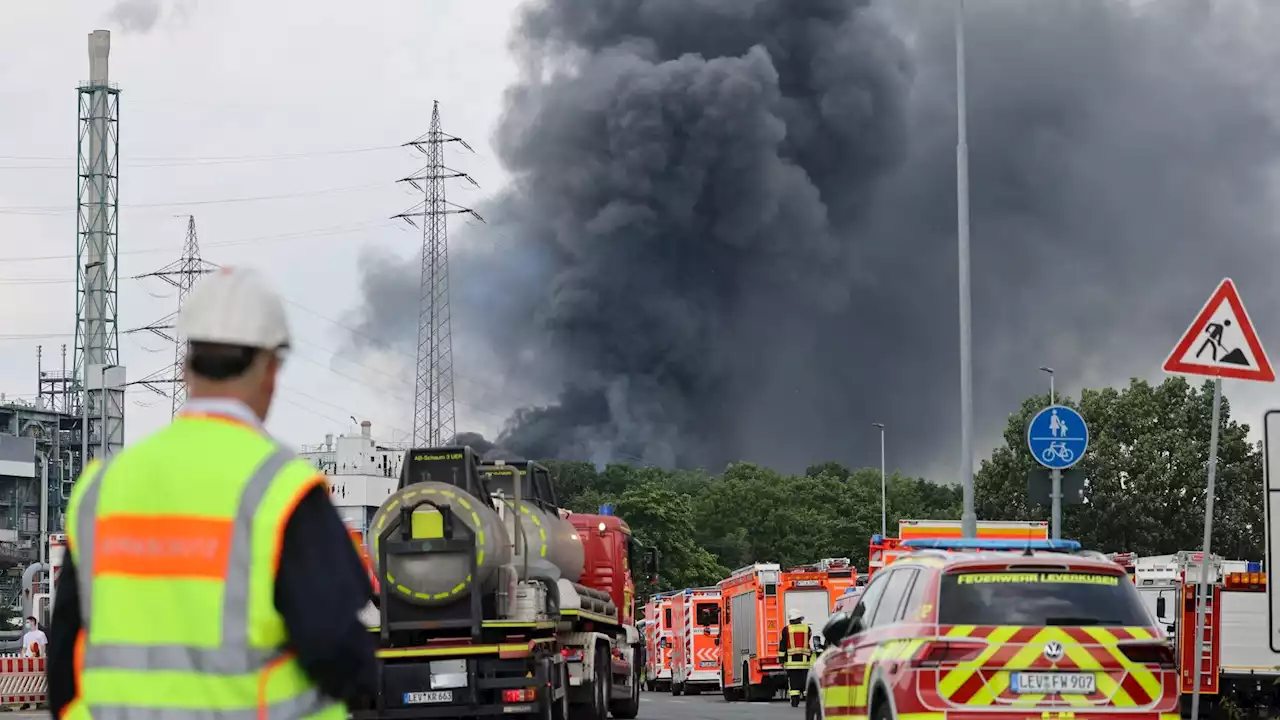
{"points": [[1057, 437]]}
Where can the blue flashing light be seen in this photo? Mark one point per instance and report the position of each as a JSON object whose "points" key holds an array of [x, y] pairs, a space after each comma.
{"points": [[991, 544], [876, 539], [1254, 566], [606, 509]]}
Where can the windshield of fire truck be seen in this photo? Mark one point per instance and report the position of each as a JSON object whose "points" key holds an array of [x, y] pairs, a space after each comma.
{"points": [[708, 613], [1039, 598]]}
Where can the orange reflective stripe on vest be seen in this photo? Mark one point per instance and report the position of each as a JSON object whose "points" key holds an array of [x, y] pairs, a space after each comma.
{"points": [[151, 546]]}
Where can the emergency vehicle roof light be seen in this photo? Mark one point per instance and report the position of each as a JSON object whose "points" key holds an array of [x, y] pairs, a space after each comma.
{"points": [[876, 539], [990, 544], [1245, 581]]}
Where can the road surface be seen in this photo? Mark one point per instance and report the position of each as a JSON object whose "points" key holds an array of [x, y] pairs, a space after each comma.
{"points": [[653, 706], [710, 706]]}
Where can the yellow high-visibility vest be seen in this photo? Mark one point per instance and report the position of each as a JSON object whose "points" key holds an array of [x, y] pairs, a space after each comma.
{"points": [[797, 642], [176, 542]]}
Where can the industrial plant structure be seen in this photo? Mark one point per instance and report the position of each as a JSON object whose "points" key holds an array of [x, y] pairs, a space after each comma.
{"points": [[78, 414]]}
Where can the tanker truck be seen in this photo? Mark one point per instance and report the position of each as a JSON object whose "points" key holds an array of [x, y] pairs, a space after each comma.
{"points": [[491, 600]]}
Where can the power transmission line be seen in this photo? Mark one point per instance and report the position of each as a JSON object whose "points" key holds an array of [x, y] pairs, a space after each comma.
{"points": [[433, 410], [182, 275]]}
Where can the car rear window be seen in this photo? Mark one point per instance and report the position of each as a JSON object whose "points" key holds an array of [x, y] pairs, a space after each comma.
{"points": [[1027, 597]]}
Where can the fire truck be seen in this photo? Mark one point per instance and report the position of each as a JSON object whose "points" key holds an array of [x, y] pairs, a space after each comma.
{"points": [[493, 601], [658, 618], [695, 640], [1128, 561], [1237, 662], [884, 550], [754, 601]]}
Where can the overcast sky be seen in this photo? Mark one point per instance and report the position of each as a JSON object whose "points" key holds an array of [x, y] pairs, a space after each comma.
{"points": [[278, 129], [203, 87]]}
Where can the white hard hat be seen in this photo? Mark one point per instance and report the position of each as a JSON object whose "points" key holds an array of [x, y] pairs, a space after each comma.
{"points": [[794, 614], [234, 306]]}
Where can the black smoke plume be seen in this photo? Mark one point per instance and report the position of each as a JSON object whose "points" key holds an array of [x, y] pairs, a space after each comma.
{"points": [[731, 230]]}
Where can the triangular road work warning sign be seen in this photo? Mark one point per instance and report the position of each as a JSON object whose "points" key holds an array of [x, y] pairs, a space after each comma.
{"points": [[1221, 342]]}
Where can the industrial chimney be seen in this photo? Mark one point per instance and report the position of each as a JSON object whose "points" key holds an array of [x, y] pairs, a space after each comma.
{"points": [[99, 49], [366, 429]]}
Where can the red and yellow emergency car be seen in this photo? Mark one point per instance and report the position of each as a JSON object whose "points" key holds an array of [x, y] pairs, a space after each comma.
{"points": [[968, 629]]}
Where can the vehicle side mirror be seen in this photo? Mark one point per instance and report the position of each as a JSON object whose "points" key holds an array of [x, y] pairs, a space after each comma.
{"points": [[837, 627], [1160, 608]]}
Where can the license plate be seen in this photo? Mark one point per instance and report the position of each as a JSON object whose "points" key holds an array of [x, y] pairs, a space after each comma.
{"points": [[1032, 683], [707, 663], [419, 698]]}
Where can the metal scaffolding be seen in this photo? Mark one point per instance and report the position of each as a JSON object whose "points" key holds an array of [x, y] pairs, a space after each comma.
{"points": [[96, 363]]}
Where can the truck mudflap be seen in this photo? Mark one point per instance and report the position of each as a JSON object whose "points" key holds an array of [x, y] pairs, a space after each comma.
{"points": [[448, 687]]}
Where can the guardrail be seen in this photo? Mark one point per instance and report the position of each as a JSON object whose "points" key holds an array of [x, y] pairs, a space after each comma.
{"points": [[23, 681]]}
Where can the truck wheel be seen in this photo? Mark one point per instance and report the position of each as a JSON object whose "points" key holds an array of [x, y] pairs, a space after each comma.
{"points": [[600, 693], [560, 708], [748, 692], [676, 688], [629, 708]]}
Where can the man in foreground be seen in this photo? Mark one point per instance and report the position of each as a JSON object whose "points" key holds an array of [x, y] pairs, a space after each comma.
{"points": [[206, 570]]}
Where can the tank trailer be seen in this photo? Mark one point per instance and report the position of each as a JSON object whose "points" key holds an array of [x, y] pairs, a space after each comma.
{"points": [[491, 600]]}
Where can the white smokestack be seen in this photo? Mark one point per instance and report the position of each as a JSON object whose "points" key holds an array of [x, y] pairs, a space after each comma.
{"points": [[99, 49], [366, 428]]}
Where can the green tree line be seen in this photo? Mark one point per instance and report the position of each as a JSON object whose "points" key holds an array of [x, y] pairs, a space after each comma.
{"points": [[1146, 467]]}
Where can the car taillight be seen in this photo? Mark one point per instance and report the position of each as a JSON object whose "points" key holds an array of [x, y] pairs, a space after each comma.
{"points": [[937, 654], [519, 695], [1154, 653], [572, 654]]}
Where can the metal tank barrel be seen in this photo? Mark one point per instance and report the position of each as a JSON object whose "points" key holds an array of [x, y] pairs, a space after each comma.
{"points": [[432, 579], [549, 537]]}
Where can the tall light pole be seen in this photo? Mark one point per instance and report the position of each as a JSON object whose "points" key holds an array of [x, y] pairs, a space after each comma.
{"points": [[969, 518], [1055, 476], [884, 492], [1053, 398]]}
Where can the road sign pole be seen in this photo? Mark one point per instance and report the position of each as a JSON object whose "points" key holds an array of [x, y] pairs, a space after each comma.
{"points": [[1203, 589], [1055, 518], [1057, 438]]}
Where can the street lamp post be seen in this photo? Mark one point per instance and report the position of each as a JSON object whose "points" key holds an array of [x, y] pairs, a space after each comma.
{"points": [[1055, 476], [1053, 398], [968, 518], [884, 492]]}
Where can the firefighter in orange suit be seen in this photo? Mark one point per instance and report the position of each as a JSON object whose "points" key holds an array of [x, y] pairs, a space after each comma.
{"points": [[796, 655]]}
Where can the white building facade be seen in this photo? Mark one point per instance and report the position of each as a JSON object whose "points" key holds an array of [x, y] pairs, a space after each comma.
{"points": [[362, 472]]}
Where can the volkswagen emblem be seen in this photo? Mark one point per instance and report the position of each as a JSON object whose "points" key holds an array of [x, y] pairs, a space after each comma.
{"points": [[1053, 651]]}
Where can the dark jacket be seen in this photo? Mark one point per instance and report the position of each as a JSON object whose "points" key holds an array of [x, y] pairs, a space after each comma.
{"points": [[320, 587]]}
